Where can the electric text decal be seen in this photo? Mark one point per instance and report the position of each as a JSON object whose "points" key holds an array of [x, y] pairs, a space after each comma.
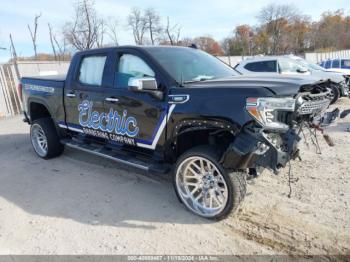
{"points": [[111, 125]]}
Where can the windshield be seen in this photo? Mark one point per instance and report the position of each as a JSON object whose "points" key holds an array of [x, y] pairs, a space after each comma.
{"points": [[309, 66], [190, 65], [316, 67]]}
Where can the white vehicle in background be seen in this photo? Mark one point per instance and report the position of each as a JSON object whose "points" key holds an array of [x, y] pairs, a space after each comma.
{"points": [[340, 65], [271, 64], [294, 66]]}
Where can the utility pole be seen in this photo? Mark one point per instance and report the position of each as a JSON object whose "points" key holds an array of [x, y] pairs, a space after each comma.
{"points": [[14, 58]]}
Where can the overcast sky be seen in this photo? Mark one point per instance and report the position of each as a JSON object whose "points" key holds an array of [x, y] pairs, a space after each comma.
{"points": [[215, 18]]}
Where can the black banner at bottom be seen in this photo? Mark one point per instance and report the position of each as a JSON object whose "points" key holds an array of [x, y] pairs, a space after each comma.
{"points": [[124, 258]]}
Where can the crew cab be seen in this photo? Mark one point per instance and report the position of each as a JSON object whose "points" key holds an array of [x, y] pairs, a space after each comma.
{"points": [[294, 66], [175, 109]]}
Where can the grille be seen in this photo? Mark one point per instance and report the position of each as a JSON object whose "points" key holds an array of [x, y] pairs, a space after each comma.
{"points": [[314, 103]]}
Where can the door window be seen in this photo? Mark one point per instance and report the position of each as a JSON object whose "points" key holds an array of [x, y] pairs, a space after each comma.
{"points": [[263, 66], [290, 66], [335, 63], [91, 70], [345, 63], [131, 66], [328, 64]]}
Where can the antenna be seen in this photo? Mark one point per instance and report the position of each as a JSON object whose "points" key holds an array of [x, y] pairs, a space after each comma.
{"points": [[182, 79]]}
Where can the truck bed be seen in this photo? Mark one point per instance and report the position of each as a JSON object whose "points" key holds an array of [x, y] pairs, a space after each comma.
{"points": [[47, 91], [57, 78]]}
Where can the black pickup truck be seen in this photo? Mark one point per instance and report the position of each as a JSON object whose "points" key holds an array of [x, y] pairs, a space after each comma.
{"points": [[174, 109]]}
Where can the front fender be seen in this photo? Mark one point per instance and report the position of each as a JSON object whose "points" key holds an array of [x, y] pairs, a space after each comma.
{"points": [[193, 124]]}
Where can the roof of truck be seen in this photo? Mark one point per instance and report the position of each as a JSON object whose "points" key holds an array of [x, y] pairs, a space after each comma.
{"points": [[139, 47]]}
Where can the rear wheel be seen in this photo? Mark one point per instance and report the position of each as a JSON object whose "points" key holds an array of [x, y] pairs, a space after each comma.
{"points": [[44, 138], [205, 187]]}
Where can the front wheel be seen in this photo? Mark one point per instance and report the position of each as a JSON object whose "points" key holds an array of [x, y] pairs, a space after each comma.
{"points": [[335, 92], [44, 138], [205, 187]]}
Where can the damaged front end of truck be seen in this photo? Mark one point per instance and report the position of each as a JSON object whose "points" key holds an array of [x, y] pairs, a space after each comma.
{"points": [[271, 140]]}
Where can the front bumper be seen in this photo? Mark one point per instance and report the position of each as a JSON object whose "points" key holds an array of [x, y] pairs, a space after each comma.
{"points": [[272, 150], [268, 150]]}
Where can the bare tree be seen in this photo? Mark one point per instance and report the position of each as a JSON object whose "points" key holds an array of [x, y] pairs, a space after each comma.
{"points": [[52, 41], [173, 33], [152, 20], [101, 33], [112, 30], [84, 31], [61, 47], [204, 42], [276, 18], [138, 24], [33, 34]]}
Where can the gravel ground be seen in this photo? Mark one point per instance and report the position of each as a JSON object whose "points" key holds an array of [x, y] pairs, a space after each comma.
{"points": [[80, 204]]}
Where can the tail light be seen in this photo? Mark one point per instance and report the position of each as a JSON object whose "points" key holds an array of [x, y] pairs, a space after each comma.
{"points": [[19, 89]]}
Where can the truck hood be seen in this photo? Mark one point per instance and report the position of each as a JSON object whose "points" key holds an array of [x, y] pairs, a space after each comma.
{"points": [[279, 85]]}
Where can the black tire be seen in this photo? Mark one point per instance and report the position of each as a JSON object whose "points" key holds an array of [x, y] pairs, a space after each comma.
{"points": [[54, 147], [236, 181], [335, 93]]}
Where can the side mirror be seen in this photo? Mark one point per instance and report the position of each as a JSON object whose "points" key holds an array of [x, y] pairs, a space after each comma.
{"points": [[302, 70], [145, 83]]}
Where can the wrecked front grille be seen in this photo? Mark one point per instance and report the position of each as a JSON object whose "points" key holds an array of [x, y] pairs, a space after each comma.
{"points": [[314, 103]]}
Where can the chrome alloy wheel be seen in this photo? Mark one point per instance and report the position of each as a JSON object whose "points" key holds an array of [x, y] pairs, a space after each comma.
{"points": [[201, 186], [39, 140]]}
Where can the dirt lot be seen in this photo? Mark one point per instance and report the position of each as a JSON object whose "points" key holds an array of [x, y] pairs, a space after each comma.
{"points": [[79, 204]]}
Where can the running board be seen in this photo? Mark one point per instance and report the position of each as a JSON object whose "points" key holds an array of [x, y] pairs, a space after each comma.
{"points": [[147, 165]]}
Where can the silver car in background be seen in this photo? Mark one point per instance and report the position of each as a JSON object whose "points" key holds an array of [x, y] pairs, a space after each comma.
{"points": [[294, 66]]}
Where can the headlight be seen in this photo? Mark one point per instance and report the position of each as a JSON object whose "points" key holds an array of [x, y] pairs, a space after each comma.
{"points": [[265, 110]]}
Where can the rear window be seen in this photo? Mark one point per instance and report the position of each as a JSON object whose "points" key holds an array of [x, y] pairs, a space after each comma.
{"points": [[345, 63], [91, 70], [263, 66], [335, 63]]}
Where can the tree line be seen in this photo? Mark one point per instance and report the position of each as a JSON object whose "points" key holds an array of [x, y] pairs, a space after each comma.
{"points": [[281, 29], [284, 29]]}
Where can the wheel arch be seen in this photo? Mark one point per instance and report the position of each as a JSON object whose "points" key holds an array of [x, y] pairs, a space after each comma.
{"points": [[38, 109], [192, 132]]}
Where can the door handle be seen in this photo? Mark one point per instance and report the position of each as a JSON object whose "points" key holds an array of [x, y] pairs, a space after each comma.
{"points": [[70, 95], [112, 99]]}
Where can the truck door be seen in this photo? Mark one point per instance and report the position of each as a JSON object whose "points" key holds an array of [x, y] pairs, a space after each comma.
{"points": [[140, 116], [85, 94]]}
